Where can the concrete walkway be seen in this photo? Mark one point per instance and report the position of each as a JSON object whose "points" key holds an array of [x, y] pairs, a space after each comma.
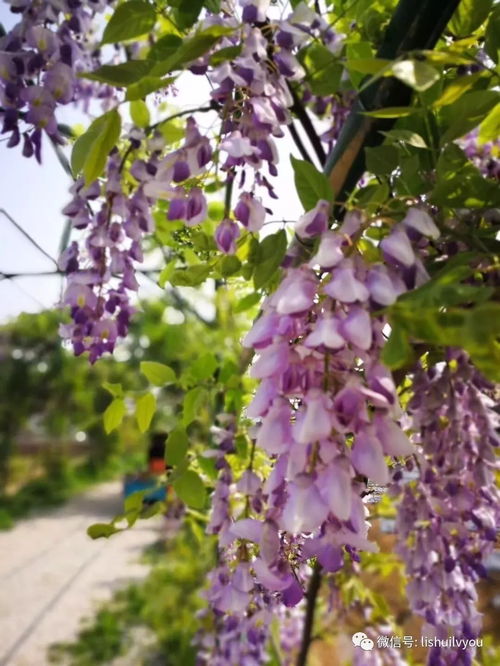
{"points": [[52, 574]]}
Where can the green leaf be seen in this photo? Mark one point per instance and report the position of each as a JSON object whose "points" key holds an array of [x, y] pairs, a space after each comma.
{"points": [[456, 89], [247, 302], [193, 402], [190, 489], [469, 15], [165, 47], [323, 68], [93, 147], [158, 373], [176, 446], [368, 65], [204, 367], [489, 129], [133, 502], [311, 184], [139, 113], [186, 14], [166, 273], [467, 113], [391, 112], [145, 86], [145, 408], [116, 390], [191, 49], [229, 265], [382, 160], [492, 36], [102, 530], [225, 54], [191, 276], [271, 253], [416, 74], [123, 74], [397, 351], [405, 136], [130, 19], [113, 416]]}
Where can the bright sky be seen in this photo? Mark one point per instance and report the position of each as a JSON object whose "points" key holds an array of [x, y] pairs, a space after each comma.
{"points": [[34, 195]]}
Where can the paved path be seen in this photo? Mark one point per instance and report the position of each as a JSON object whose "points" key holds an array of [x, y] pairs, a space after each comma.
{"points": [[52, 574]]}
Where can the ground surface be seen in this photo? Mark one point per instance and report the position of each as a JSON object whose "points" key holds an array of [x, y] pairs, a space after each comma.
{"points": [[52, 574]]}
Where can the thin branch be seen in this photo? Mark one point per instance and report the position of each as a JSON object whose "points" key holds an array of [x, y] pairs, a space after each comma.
{"points": [[312, 595], [27, 236], [298, 142], [308, 126]]}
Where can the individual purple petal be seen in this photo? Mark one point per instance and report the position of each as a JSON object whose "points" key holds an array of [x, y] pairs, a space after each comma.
{"points": [[356, 328], [225, 236], [275, 433], [304, 510], [383, 289], [272, 361], [368, 458], [396, 248], [296, 293], [249, 483], [394, 441], [247, 528], [316, 423], [276, 582], [329, 252], [250, 212], [344, 286], [334, 484], [419, 220], [293, 594], [326, 333], [263, 331], [314, 222]]}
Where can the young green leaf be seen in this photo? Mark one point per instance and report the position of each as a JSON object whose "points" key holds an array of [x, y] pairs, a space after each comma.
{"points": [[311, 184], [113, 416], [191, 490], [92, 148], [130, 19], [145, 409], [139, 113], [102, 530], [416, 74], [270, 255], [193, 402], [123, 74], [158, 373], [176, 446]]}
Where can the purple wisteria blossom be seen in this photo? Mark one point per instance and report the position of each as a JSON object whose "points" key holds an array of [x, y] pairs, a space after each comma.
{"points": [[39, 61], [449, 517]]}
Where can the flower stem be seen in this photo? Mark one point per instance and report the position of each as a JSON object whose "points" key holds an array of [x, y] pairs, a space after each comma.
{"points": [[312, 595]]}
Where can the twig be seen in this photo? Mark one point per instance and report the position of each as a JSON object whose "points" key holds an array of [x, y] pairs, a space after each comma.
{"points": [[308, 126], [298, 142], [312, 595]]}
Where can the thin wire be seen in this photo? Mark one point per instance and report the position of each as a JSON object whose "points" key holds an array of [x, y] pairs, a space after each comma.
{"points": [[26, 235]]}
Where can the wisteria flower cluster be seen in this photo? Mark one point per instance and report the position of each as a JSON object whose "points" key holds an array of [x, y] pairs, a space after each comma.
{"points": [[101, 272], [39, 62], [448, 517], [327, 412]]}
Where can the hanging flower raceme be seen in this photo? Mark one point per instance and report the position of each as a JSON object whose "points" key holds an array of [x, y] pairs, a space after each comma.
{"points": [[39, 61], [327, 411], [101, 270], [449, 517]]}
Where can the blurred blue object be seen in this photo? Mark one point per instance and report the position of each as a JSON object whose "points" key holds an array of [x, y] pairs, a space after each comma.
{"points": [[155, 492]]}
